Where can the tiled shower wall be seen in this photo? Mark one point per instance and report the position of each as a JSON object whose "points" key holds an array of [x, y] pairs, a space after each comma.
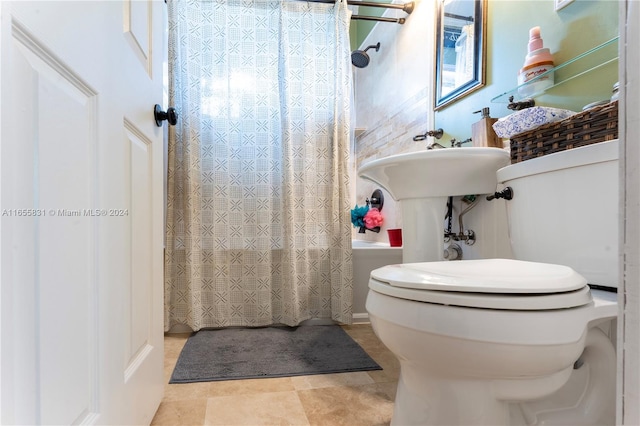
{"points": [[392, 135]]}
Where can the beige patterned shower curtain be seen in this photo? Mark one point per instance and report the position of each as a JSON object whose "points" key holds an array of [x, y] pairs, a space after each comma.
{"points": [[258, 210]]}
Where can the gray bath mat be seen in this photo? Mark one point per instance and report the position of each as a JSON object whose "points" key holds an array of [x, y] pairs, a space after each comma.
{"points": [[245, 353]]}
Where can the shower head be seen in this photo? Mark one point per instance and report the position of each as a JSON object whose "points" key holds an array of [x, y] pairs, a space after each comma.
{"points": [[360, 58]]}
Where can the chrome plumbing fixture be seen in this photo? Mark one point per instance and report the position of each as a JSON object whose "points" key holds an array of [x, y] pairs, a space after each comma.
{"points": [[517, 106], [433, 133], [435, 145], [466, 235], [360, 58], [406, 8], [453, 252], [455, 143], [377, 200]]}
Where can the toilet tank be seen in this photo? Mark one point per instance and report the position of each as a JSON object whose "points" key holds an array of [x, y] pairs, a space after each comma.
{"points": [[565, 210]]}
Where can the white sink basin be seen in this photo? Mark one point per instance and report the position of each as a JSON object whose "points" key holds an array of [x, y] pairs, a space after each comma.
{"points": [[421, 182], [437, 172]]}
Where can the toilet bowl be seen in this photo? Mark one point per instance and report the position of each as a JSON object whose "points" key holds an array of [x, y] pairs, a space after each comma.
{"points": [[514, 341]]}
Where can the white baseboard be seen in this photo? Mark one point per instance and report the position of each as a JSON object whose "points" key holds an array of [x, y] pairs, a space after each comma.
{"points": [[360, 318]]}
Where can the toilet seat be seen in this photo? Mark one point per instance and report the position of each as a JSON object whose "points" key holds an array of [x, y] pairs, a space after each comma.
{"points": [[503, 284]]}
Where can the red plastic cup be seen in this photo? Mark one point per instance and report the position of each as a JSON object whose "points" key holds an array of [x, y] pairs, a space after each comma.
{"points": [[395, 237]]}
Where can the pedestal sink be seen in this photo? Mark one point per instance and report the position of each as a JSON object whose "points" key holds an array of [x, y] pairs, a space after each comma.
{"points": [[422, 181]]}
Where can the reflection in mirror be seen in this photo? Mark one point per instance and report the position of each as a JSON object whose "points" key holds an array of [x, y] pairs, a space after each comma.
{"points": [[460, 49]]}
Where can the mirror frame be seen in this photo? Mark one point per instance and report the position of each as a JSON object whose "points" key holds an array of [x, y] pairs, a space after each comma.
{"points": [[480, 55]]}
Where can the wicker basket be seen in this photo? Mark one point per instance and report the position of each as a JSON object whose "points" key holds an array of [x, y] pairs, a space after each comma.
{"points": [[597, 124]]}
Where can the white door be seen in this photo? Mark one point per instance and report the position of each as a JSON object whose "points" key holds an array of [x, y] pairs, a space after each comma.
{"points": [[81, 204]]}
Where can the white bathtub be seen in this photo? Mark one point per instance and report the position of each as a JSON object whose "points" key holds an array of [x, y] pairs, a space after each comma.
{"points": [[367, 256]]}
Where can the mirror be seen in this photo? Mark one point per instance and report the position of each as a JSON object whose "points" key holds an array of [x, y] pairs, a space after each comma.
{"points": [[460, 49]]}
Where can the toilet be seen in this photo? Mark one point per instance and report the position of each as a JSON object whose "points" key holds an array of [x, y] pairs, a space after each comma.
{"points": [[515, 341]]}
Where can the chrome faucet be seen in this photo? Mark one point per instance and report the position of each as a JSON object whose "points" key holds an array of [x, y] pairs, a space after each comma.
{"points": [[456, 143], [435, 145]]}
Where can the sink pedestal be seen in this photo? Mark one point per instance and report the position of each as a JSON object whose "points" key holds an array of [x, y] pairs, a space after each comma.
{"points": [[423, 229]]}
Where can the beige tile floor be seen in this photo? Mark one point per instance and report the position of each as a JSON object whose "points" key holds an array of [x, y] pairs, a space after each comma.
{"points": [[360, 398]]}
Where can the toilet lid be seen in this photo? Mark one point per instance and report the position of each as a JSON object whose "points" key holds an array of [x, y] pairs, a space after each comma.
{"points": [[488, 283]]}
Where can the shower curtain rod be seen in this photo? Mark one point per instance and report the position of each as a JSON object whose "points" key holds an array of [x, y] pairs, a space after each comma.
{"points": [[378, 18], [406, 7], [460, 17]]}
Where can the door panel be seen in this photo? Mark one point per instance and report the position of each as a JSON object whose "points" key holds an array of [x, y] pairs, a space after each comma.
{"points": [[137, 30], [67, 306], [81, 225], [64, 240], [140, 286], [142, 192]]}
